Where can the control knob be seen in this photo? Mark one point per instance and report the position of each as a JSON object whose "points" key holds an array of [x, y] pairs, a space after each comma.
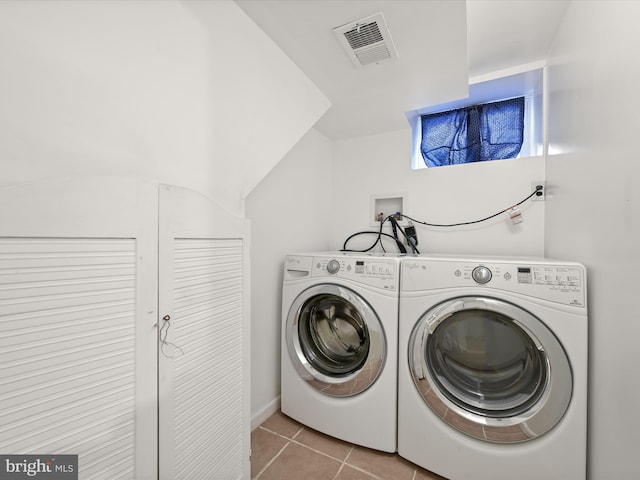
{"points": [[333, 266], [481, 274]]}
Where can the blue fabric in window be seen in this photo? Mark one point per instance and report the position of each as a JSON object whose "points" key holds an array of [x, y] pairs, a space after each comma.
{"points": [[491, 131]]}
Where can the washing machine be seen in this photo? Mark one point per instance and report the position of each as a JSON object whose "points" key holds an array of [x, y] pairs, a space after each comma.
{"points": [[492, 379], [339, 345]]}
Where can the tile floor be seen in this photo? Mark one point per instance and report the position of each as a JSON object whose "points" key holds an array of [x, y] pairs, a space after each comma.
{"points": [[284, 449]]}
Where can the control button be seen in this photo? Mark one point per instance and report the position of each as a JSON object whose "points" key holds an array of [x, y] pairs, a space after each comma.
{"points": [[457, 273], [481, 274], [507, 276], [333, 266]]}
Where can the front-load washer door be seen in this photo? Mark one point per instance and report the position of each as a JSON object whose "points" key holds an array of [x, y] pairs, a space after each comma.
{"points": [[335, 340], [490, 369]]}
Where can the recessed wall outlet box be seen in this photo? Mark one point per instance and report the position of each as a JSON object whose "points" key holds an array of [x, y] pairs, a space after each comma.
{"points": [[383, 205]]}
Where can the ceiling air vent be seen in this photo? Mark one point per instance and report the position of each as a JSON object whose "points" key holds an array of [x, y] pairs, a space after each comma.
{"points": [[367, 40]]}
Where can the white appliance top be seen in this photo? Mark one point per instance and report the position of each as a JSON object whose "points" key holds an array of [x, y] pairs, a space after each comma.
{"points": [[552, 280], [339, 253]]}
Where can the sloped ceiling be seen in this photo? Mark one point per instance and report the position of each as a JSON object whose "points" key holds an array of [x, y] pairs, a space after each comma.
{"points": [[440, 43]]}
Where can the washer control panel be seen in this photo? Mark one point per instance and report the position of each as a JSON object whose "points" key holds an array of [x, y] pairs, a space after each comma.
{"points": [[377, 272], [562, 283]]}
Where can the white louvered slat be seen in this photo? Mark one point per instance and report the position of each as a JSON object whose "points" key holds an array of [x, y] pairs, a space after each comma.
{"points": [[68, 350], [208, 377]]}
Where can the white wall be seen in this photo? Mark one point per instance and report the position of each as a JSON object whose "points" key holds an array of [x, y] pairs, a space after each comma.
{"points": [[593, 210], [289, 211], [381, 164], [199, 98], [192, 94]]}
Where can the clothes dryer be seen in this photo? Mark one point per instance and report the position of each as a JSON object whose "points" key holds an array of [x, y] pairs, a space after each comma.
{"points": [[492, 379], [339, 345]]}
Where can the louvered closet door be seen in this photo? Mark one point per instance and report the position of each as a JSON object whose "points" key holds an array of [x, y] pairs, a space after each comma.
{"points": [[203, 360], [78, 306]]}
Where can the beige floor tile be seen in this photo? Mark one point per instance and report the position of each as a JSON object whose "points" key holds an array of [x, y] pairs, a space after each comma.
{"points": [[298, 462], [324, 443], [264, 446], [349, 473], [425, 475], [384, 465], [305, 457], [280, 423]]}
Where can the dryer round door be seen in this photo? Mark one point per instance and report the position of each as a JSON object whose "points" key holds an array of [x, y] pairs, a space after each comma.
{"points": [[490, 369], [335, 340]]}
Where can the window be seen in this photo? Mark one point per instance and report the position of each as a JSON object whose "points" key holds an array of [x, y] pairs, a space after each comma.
{"points": [[490, 131], [525, 84]]}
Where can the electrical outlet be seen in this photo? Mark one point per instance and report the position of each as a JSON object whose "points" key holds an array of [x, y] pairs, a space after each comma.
{"points": [[539, 197]]}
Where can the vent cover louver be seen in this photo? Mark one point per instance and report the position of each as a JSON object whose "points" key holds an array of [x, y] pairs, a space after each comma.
{"points": [[367, 40]]}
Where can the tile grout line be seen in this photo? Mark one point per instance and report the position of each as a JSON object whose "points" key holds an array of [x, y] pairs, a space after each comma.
{"points": [[342, 462], [292, 440], [270, 462], [372, 475], [297, 433]]}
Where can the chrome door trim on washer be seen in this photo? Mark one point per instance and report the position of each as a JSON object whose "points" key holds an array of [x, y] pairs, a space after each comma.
{"points": [[523, 399], [317, 359]]}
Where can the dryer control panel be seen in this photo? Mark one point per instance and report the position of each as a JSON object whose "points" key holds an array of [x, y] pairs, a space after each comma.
{"points": [[562, 283]]}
